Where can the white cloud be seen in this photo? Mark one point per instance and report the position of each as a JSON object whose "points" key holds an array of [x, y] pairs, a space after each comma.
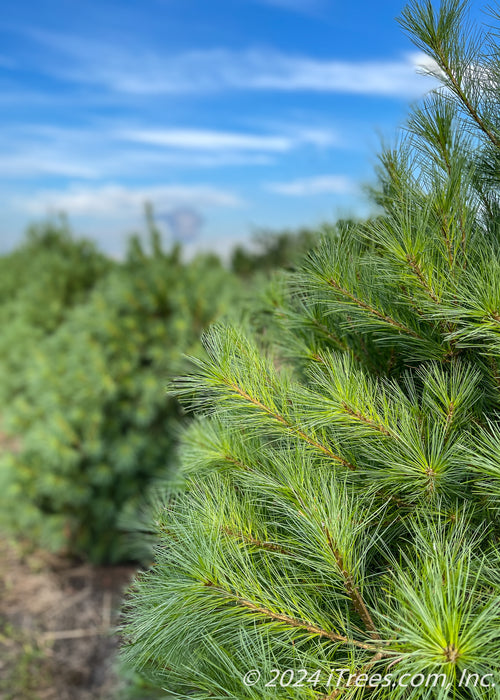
{"points": [[320, 184], [118, 200], [317, 137], [107, 151], [146, 72], [425, 64], [396, 78], [211, 140], [199, 139], [26, 162], [34, 163]]}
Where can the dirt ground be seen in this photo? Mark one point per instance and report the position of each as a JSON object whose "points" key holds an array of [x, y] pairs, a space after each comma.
{"points": [[56, 627]]}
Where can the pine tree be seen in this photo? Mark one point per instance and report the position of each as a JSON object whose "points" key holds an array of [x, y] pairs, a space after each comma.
{"points": [[270, 251], [40, 282], [343, 483], [93, 422]]}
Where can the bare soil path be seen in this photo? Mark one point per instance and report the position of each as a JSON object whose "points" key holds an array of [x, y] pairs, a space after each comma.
{"points": [[56, 627]]}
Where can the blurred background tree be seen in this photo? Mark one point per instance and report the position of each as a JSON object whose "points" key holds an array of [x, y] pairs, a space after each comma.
{"points": [[88, 346], [40, 282], [272, 250]]}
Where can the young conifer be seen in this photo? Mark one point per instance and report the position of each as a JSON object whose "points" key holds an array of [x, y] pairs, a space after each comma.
{"points": [[96, 429], [341, 509]]}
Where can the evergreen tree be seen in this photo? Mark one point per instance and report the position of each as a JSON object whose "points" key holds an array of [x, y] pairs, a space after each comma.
{"points": [[40, 281], [272, 250], [94, 425], [341, 505]]}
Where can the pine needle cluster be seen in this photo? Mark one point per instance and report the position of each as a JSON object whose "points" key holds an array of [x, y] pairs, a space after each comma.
{"points": [[343, 483]]}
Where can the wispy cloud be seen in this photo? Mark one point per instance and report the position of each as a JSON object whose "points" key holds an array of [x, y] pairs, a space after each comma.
{"points": [[204, 139], [105, 160], [29, 163], [106, 150], [114, 200], [320, 184], [199, 139], [139, 72]]}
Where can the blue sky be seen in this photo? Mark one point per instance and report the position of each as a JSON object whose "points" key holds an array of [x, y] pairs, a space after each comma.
{"points": [[227, 115]]}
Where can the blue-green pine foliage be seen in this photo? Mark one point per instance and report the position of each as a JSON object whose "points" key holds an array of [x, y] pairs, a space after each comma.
{"points": [[339, 532]]}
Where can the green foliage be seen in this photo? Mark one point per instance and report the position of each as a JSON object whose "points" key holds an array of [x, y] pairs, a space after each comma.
{"points": [[272, 251], [40, 282], [94, 423], [342, 482]]}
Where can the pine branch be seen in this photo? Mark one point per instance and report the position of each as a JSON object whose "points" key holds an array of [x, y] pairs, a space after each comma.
{"points": [[253, 541], [352, 589], [236, 462], [445, 229], [290, 621], [367, 421], [457, 87], [334, 338], [375, 312], [295, 430], [412, 261]]}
